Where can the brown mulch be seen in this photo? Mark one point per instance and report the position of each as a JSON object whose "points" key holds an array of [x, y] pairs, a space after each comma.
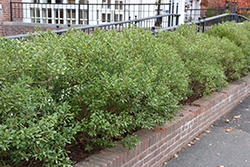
{"points": [[77, 154]]}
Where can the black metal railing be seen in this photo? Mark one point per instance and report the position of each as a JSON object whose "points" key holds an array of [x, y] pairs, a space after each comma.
{"points": [[85, 13], [205, 23], [194, 14], [146, 23], [150, 23]]}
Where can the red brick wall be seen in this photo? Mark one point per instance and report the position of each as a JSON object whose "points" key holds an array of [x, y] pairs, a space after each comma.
{"points": [[17, 28], [9, 30], [162, 142], [5, 13]]}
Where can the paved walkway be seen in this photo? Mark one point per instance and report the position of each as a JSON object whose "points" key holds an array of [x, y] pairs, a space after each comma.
{"points": [[225, 144]]}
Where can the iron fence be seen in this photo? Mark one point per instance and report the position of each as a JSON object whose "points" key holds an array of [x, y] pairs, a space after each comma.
{"points": [[85, 13], [147, 23], [205, 23]]}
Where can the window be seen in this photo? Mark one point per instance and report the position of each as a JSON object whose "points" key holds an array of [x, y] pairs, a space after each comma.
{"points": [[36, 1], [108, 17], [109, 6], [59, 16], [120, 17], [116, 4], [59, 1], [37, 12], [44, 15], [83, 1], [116, 17], [71, 15], [49, 13], [103, 2], [49, 16], [71, 1], [32, 12], [68, 14], [85, 14], [103, 17], [121, 4]]}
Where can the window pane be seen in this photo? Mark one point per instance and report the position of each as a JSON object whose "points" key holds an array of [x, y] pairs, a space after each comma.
{"points": [[121, 4], [61, 13], [44, 12], [116, 17], [83, 1], [103, 17], [68, 14], [49, 13], [85, 14], [73, 13], [71, 1], [37, 12], [58, 1], [32, 12], [108, 17], [116, 4]]}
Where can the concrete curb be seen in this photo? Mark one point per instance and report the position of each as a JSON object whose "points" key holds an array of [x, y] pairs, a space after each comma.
{"points": [[162, 142]]}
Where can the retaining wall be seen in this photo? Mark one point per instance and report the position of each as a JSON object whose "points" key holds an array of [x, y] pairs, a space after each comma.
{"points": [[162, 142], [17, 28]]}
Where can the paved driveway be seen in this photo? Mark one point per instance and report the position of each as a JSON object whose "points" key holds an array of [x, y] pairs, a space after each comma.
{"points": [[225, 144]]}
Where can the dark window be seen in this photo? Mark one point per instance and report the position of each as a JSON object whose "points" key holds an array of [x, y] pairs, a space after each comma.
{"points": [[71, 1], [103, 17], [58, 1]]}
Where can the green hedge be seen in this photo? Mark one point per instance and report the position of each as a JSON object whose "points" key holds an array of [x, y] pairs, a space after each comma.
{"points": [[98, 89]]}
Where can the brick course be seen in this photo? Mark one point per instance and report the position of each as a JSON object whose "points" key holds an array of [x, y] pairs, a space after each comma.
{"points": [[162, 142]]}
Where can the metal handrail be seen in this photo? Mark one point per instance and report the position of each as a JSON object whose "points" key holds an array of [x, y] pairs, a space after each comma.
{"points": [[99, 25], [206, 20]]}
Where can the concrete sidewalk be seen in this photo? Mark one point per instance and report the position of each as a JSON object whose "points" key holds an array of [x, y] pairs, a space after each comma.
{"points": [[225, 144]]}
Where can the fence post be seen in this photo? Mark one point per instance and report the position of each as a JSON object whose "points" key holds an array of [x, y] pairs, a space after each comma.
{"points": [[203, 27], [153, 30], [219, 14], [237, 17], [124, 13], [11, 17], [172, 22], [215, 14], [87, 12], [169, 11], [177, 17], [232, 8], [199, 18], [235, 6], [79, 14]]}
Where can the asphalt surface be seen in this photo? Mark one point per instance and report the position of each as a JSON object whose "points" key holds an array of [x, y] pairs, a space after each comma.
{"points": [[227, 143]]}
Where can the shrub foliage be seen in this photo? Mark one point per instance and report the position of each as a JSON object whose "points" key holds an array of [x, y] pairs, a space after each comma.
{"points": [[97, 89]]}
